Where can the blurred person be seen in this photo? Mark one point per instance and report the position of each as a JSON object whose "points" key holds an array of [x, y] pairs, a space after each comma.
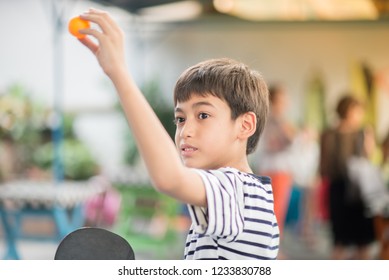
{"points": [[275, 156], [369, 178], [350, 226], [382, 219], [305, 154], [385, 159], [221, 107]]}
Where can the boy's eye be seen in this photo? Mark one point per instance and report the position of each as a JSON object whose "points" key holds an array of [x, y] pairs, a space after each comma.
{"points": [[203, 116], [179, 120]]}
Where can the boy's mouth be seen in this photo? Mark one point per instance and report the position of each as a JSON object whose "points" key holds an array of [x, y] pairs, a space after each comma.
{"points": [[187, 150]]}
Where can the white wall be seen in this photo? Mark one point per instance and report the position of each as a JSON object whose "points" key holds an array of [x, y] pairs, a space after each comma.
{"points": [[280, 51]]}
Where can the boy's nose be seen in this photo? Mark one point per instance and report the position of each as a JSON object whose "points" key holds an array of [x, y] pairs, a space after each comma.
{"points": [[187, 130]]}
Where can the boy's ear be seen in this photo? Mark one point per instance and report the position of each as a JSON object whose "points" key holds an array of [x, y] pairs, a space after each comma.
{"points": [[248, 125]]}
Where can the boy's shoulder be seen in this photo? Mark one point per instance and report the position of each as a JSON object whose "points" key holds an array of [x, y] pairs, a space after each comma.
{"points": [[242, 176]]}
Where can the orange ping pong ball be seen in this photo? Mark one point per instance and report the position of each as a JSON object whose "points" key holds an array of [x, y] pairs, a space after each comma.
{"points": [[77, 23]]}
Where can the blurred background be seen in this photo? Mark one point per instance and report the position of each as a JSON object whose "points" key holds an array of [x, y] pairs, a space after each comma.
{"points": [[60, 120]]}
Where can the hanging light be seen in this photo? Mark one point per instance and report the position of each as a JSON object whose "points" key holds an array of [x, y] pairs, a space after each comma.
{"points": [[179, 11], [297, 10]]}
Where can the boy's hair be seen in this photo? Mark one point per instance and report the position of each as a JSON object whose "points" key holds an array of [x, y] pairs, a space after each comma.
{"points": [[243, 89]]}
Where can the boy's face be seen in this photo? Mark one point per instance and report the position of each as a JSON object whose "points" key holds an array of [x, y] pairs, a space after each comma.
{"points": [[206, 136]]}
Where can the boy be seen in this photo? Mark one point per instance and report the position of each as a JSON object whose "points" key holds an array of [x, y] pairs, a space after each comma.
{"points": [[220, 111]]}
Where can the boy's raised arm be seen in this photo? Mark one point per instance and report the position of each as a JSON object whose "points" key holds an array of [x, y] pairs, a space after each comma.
{"points": [[167, 172]]}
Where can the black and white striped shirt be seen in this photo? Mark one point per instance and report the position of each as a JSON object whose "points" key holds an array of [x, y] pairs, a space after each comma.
{"points": [[239, 221]]}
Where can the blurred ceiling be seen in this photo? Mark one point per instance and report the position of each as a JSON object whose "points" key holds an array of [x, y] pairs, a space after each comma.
{"points": [[257, 10]]}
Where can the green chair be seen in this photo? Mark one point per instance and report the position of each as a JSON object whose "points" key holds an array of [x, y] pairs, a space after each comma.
{"points": [[146, 221]]}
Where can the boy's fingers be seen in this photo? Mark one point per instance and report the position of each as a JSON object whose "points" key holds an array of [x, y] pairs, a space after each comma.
{"points": [[102, 19], [89, 44], [102, 14], [93, 32], [97, 11]]}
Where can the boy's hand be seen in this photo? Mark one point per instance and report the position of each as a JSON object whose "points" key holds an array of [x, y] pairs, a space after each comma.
{"points": [[109, 49]]}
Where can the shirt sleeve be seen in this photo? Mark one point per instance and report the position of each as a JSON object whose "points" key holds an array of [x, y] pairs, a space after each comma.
{"points": [[223, 216]]}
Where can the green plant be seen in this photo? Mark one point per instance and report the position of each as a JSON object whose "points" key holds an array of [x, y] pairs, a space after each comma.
{"points": [[25, 126], [77, 160], [21, 120]]}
